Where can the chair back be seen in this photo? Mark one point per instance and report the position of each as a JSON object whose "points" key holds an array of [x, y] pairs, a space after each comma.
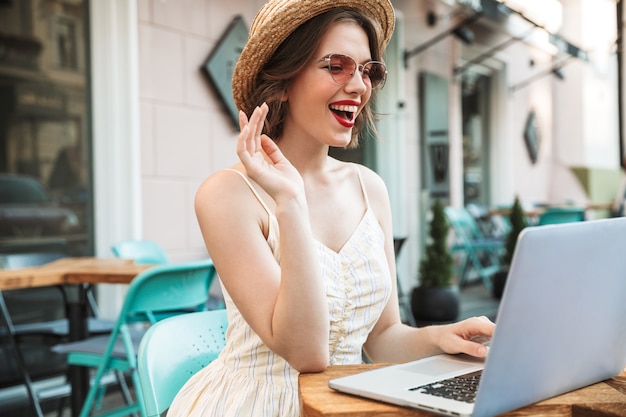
{"points": [[141, 251], [173, 350], [36, 304], [557, 215], [463, 223], [169, 287]]}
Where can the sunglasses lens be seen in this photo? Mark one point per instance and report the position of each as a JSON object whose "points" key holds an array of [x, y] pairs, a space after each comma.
{"points": [[341, 68], [374, 72]]}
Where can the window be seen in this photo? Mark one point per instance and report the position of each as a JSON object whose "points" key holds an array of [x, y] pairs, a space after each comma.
{"points": [[45, 176], [66, 44]]}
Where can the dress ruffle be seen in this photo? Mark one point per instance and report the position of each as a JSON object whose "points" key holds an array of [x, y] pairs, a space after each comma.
{"points": [[221, 391]]}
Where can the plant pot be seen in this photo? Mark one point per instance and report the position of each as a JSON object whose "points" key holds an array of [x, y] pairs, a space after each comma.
{"points": [[432, 304], [498, 281]]}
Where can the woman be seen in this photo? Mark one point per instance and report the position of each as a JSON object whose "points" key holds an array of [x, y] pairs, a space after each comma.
{"points": [[302, 242]]}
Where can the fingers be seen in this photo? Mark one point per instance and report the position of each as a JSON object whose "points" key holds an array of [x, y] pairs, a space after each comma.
{"points": [[242, 142], [271, 149], [474, 349], [483, 325], [481, 330], [249, 141], [243, 120], [469, 336], [264, 109]]}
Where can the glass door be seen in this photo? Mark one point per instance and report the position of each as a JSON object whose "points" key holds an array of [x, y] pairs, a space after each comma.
{"points": [[475, 117]]}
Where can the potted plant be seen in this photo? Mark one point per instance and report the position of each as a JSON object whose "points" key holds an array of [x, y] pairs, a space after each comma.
{"points": [[436, 298], [517, 220]]}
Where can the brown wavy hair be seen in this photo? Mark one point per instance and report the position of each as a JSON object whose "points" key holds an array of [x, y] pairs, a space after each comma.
{"points": [[294, 54]]}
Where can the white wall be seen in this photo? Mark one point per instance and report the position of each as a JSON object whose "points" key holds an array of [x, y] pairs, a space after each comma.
{"points": [[186, 135], [591, 95]]}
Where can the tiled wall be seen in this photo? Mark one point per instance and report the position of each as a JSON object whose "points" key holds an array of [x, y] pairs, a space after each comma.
{"points": [[185, 134]]}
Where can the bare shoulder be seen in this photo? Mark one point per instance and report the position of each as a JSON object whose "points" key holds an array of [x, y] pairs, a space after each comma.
{"points": [[373, 182], [219, 185], [216, 188], [225, 195]]}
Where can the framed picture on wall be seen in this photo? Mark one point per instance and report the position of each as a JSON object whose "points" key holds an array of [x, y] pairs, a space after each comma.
{"points": [[531, 136], [220, 65]]}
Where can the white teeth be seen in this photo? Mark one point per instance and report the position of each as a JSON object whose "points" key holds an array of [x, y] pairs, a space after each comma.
{"points": [[350, 109]]}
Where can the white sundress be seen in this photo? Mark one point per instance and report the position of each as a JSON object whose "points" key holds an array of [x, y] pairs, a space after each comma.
{"points": [[248, 379]]}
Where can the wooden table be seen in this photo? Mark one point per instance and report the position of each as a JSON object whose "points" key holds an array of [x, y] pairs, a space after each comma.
{"points": [[73, 273], [536, 212], [604, 399]]}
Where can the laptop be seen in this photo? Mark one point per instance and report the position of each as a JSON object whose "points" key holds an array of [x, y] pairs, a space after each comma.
{"points": [[561, 325]]}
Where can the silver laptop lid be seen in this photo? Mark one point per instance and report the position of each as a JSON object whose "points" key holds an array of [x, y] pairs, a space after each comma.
{"points": [[562, 319]]}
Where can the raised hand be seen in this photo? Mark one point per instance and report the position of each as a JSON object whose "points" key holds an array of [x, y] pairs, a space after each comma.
{"points": [[263, 160]]}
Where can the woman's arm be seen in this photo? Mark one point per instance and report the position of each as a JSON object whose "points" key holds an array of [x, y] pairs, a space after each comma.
{"points": [[285, 304], [393, 341]]}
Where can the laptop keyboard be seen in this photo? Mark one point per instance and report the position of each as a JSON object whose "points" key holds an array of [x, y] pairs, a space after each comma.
{"points": [[461, 388]]}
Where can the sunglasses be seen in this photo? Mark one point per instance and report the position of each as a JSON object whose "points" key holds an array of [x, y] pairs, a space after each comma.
{"points": [[343, 67]]}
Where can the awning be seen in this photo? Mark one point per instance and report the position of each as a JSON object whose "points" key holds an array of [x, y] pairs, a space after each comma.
{"points": [[509, 20]]}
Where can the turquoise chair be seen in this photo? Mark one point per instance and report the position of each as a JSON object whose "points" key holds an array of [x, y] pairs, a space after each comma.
{"points": [[153, 293], [144, 251], [173, 350], [141, 251], [479, 252], [558, 215]]}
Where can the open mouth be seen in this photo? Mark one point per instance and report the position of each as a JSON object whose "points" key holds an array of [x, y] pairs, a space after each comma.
{"points": [[344, 112]]}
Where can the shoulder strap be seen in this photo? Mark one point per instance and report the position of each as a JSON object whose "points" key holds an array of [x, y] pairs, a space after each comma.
{"points": [[358, 174], [256, 194]]}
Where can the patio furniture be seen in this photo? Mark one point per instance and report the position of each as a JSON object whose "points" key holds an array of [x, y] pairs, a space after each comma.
{"points": [[173, 350], [29, 333], [161, 289], [404, 298], [142, 251], [478, 252], [557, 215]]}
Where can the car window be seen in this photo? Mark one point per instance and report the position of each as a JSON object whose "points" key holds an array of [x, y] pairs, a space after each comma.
{"points": [[22, 191]]}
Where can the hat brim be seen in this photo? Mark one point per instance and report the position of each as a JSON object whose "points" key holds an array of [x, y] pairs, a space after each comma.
{"points": [[276, 20]]}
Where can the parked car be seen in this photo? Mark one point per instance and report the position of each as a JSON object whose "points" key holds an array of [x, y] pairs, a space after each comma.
{"points": [[28, 211]]}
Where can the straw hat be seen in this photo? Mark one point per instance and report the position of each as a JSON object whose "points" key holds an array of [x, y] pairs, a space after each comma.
{"points": [[277, 19]]}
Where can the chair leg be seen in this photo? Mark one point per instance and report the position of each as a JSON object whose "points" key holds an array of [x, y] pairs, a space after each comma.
{"points": [[97, 392], [486, 279], [121, 381], [61, 407], [464, 269], [479, 268], [92, 395], [93, 305], [19, 359], [138, 393], [491, 259]]}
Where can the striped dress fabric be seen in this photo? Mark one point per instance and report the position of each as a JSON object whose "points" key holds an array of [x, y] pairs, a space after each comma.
{"points": [[248, 379]]}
